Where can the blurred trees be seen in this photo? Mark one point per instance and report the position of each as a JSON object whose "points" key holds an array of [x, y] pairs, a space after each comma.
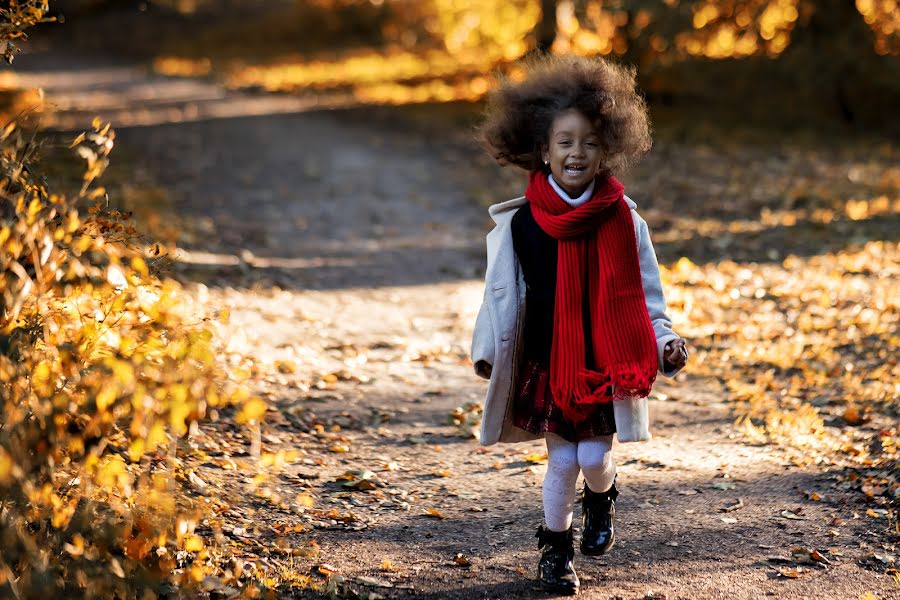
{"points": [[836, 56], [718, 28]]}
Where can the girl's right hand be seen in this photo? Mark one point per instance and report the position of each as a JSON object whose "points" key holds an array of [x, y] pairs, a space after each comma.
{"points": [[675, 355]]}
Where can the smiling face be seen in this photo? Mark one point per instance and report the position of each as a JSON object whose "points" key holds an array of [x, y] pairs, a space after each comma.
{"points": [[573, 151]]}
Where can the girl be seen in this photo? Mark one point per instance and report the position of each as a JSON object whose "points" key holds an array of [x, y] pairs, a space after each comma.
{"points": [[573, 328]]}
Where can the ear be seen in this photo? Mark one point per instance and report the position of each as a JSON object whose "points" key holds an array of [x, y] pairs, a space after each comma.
{"points": [[545, 153]]}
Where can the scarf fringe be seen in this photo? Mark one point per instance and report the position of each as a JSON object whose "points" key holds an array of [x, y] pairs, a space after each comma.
{"points": [[603, 386]]}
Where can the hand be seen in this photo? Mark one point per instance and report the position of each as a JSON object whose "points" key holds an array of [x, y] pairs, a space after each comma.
{"points": [[674, 355], [484, 369]]}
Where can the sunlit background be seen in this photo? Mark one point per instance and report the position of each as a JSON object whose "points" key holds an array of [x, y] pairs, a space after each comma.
{"points": [[838, 57], [266, 293]]}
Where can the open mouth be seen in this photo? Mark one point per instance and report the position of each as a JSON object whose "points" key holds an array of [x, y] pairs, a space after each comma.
{"points": [[575, 169]]}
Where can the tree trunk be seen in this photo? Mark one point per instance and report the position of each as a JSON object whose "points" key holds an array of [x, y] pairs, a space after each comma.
{"points": [[545, 30], [832, 50]]}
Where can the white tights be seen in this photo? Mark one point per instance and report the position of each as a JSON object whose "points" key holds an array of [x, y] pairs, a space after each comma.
{"points": [[592, 456]]}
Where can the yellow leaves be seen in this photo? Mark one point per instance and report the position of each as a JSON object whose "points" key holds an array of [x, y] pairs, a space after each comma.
{"points": [[286, 367], [138, 265], [387, 565], [34, 209], [112, 474], [82, 244], [136, 449], [193, 543], [6, 466], [536, 457], [305, 500], [433, 512], [76, 547], [111, 363], [278, 459], [41, 378], [106, 396], [252, 411]]}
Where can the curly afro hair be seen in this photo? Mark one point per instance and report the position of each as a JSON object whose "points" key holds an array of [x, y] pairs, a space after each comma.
{"points": [[519, 114]]}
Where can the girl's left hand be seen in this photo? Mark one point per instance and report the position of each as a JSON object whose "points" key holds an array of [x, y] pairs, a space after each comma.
{"points": [[675, 355]]}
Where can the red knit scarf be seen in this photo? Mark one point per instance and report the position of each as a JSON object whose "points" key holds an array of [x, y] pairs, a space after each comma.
{"points": [[597, 258]]}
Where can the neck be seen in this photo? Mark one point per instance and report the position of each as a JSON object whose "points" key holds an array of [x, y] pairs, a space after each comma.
{"points": [[567, 197]]}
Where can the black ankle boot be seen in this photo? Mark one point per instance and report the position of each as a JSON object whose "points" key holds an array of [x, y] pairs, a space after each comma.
{"points": [[555, 570], [597, 512]]}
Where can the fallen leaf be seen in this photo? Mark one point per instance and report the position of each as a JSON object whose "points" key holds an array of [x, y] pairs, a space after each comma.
{"points": [[853, 415], [788, 514], [462, 560], [388, 566], [739, 503], [723, 485], [536, 457], [790, 573], [193, 543], [728, 519], [361, 480], [689, 492], [196, 483], [433, 512]]}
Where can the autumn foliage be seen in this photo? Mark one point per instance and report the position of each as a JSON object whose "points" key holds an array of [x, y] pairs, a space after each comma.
{"points": [[103, 367]]}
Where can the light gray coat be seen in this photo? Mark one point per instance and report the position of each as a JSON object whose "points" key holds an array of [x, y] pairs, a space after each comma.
{"points": [[497, 338]]}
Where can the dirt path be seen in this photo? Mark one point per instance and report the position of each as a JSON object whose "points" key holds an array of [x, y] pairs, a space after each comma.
{"points": [[347, 248]]}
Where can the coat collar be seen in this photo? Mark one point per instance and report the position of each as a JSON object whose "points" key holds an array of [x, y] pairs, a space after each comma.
{"points": [[502, 209]]}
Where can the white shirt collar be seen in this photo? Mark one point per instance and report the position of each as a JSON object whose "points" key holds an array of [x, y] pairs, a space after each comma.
{"points": [[573, 202]]}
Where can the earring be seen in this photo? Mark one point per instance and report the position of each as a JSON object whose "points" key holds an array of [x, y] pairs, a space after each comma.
{"points": [[546, 162]]}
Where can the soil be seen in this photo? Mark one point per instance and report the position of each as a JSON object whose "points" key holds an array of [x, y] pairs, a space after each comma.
{"points": [[348, 247]]}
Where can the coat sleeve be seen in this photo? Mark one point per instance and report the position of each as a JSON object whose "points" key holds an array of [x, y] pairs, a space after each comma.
{"points": [[483, 339], [653, 293], [483, 342]]}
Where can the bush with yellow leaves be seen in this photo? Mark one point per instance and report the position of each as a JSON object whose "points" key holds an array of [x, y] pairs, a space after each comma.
{"points": [[103, 367]]}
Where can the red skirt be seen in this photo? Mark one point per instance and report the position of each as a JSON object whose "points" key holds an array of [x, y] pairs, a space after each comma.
{"points": [[535, 410]]}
